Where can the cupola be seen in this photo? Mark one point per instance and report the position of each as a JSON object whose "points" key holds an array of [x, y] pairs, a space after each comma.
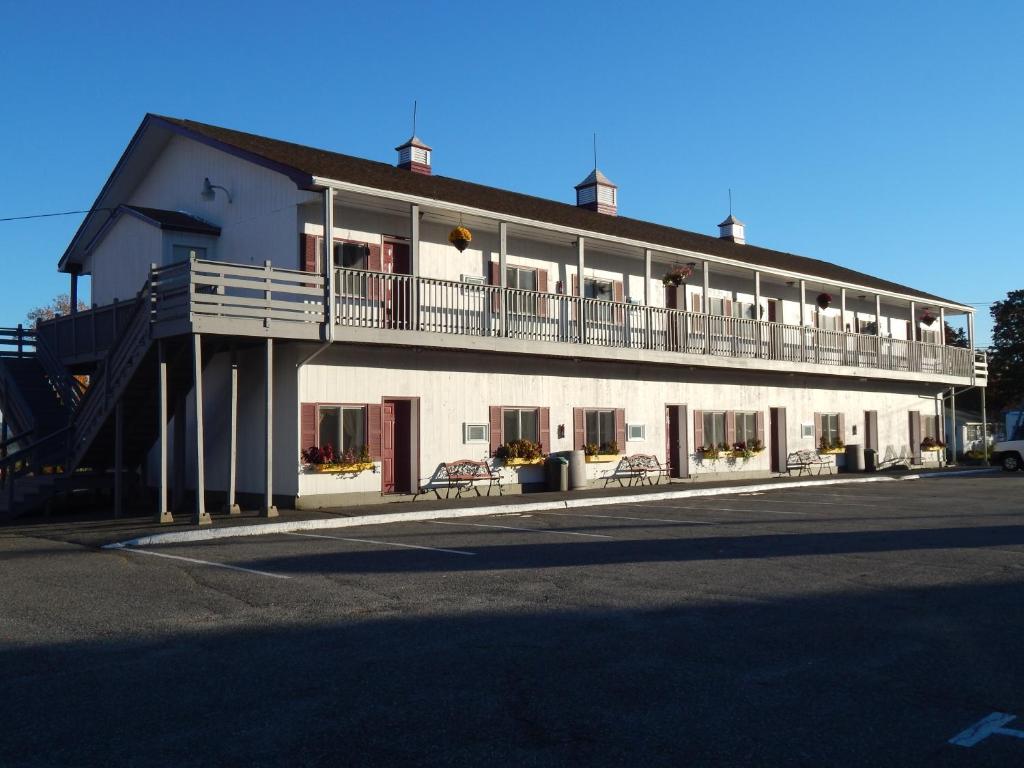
{"points": [[598, 193], [414, 156], [732, 229]]}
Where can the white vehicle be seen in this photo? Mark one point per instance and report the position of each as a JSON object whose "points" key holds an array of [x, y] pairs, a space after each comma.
{"points": [[1010, 454]]}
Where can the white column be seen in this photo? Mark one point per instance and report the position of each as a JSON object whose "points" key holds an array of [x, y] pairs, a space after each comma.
{"points": [[970, 331], [200, 517], [942, 325], [878, 329], [503, 275], [232, 505], [757, 295], [842, 305], [163, 514], [706, 269], [647, 277], [327, 265], [912, 326], [580, 281], [269, 510], [414, 265], [803, 302]]}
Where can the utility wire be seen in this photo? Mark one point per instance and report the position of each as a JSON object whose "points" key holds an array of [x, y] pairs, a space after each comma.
{"points": [[47, 215]]}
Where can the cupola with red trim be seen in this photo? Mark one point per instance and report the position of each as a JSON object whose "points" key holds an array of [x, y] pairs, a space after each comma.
{"points": [[598, 193], [414, 156]]}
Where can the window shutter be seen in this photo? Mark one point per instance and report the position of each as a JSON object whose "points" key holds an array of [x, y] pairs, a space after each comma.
{"points": [[495, 424], [307, 426], [374, 263], [620, 429], [696, 302], [618, 296], [842, 427], [575, 292], [759, 426], [915, 436], [542, 286], [374, 258], [727, 307], [544, 429], [817, 430], [495, 278], [672, 293], [698, 430], [871, 430], [579, 429], [730, 428], [373, 430], [307, 253]]}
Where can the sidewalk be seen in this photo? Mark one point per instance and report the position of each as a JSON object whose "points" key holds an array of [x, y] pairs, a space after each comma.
{"points": [[99, 529]]}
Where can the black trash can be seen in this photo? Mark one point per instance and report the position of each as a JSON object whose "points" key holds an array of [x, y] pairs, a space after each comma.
{"points": [[870, 460], [557, 471]]}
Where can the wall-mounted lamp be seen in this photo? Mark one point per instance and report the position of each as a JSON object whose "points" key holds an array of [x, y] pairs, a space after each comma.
{"points": [[561, 431], [208, 194]]}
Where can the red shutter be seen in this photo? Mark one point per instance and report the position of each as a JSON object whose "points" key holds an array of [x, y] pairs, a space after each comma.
{"points": [[698, 430], [817, 430], [373, 430], [727, 307], [544, 429], [374, 263], [579, 429], [620, 429], [496, 282], [542, 286], [759, 426], [696, 302], [672, 293], [307, 426], [842, 427], [495, 424], [730, 428], [307, 253], [374, 258], [618, 296], [575, 292]]}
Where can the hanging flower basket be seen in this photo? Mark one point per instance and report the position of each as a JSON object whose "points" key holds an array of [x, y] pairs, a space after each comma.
{"points": [[824, 300], [677, 275], [460, 237], [927, 318]]}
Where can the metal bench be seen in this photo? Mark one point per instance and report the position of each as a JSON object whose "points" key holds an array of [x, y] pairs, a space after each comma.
{"points": [[463, 474], [639, 467], [806, 460]]}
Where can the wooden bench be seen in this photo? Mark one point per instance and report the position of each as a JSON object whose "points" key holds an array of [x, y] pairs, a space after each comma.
{"points": [[638, 468], [463, 474], [806, 460]]}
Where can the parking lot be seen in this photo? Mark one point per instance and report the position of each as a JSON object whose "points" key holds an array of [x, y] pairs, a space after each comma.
{"points": [[835, 625]]}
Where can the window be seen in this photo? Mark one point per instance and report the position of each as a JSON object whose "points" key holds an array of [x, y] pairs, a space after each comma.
{"points": [[716, 306], [929, 336], [343, 427], [714, 428], [636, 432], [599, 427], [744, 309], [867, 326], [519, 424], [185, 252], [475, 433], [351, 255], [830, 429], [828, 321], [594, 288], [746, 427], [522, 278]]}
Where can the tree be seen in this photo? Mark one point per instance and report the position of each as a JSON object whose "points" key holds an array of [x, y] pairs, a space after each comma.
{"points": [[1006, 361], [61, 305], [955, 337]]}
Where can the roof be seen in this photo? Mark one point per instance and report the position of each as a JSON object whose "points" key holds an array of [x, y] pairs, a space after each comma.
{"points": [[173, 220], [413, 142], [596, 177], [731, 220], [303, 164]]}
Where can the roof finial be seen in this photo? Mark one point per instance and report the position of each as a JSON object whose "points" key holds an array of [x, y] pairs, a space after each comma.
{"points": [[414, 105], [730, 201], [595, 150]]}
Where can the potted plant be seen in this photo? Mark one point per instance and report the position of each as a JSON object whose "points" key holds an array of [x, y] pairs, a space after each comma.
{"points": [[932, 444], [927, 317], [460, 237], [710, 452], [520, 453], [326, 459], [824, 300], [836, 446], [601, 454], [677, 275]]}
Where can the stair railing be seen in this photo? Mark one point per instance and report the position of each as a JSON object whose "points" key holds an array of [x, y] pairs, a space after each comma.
{"points": [[26, 460], [68, 388]]}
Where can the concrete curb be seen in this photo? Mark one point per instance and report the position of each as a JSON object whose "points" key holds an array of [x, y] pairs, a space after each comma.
{"points": [[263, 529]]}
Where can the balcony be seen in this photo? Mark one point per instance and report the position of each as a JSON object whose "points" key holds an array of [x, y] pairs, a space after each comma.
{"points": [[391, 305]]}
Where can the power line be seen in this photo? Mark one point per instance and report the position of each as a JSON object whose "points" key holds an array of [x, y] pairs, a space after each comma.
{"points": [[48, 215]]}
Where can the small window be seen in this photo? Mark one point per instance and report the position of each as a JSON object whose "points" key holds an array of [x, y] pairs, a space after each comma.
{"points": [[181, 253], [714, 429], [342, 427], [600, 428], [746, 427], [519, 424], [636, 432], [594, 288], [475, 433], [521, 278], [351, 255], [830, 429], [807, 430]]}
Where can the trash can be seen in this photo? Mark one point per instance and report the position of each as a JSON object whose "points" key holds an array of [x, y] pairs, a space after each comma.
{"points": [[557, 473], [870, 460], [854, 457], [577, 470]]}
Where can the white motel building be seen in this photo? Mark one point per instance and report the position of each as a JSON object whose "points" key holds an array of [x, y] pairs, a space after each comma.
{"points": [[251, 299]]}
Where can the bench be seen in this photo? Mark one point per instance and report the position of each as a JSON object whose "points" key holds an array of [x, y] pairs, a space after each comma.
{"points": [[638, 468], [463, 474], [806, 460]]}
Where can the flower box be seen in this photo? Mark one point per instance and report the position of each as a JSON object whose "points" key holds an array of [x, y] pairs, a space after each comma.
{"points": [[535, 462], [933, 448], [325, 469], [832, 451], [602, 458]]}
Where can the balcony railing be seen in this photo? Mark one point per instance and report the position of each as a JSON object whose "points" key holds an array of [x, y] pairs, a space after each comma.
{"points": [[402, 302]]}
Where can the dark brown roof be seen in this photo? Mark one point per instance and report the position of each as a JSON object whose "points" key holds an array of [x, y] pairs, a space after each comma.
{"points": [[303, 163], [176, 220]]}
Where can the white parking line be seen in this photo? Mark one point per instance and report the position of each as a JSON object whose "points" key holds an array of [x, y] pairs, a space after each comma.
{"points": [[716, 509], [981, 730], [530, 530], [204, 562], [622, 517], [817, 503], [382, 543]]}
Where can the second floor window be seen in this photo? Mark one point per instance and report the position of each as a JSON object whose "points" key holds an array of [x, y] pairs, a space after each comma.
{"points": [[521, 278], [594, 288], [351, 255], [519, 424]]}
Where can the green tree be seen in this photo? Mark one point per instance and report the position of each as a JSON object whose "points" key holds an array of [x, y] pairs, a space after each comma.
{"points": [[955, 337], [1006, 361]]}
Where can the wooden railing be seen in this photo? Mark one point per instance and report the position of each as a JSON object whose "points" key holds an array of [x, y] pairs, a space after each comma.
{"points": [[402, 302], [86, 335]]}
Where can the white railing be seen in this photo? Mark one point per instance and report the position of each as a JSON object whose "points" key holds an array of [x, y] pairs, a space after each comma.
{"points": [[402, 302]]}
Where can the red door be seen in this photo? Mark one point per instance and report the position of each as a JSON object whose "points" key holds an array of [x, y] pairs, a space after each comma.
{"points": [[395, 261], [387, 448]]}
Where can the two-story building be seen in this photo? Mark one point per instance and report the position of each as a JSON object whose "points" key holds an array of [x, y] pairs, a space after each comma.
{"points": [[252, 299]]}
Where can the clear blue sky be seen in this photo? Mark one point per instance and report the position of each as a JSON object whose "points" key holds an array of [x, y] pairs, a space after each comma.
{"points": [[885, 136]]}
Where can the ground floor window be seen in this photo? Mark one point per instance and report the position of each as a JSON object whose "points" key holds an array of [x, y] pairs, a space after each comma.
{"points": [[342, 426], [600, 428], [520, 424], [830, 429], [714, 429], [746, 428]]}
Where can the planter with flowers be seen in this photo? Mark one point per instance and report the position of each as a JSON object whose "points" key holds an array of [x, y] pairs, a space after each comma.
{"points": [[328, 461], [747, 450], [677, 275], [711, 453], [460, 237], [932, 444], [601, 454], [835, 447], [520, 453]]}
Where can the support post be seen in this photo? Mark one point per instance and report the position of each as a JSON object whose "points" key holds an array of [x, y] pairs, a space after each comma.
{"points": [[269, 510], [706, 302], [984, 418], [842, 309], [178, 490], [803, 320], [878, 328], [503, 276], [942, 340], [74, 293], [327, 265], [118, 459], [580, 248], [648, 317], [201, 516], [414, 266], [757, 294], [163, 514], [952, 443], [232, 505], [912, 325], [970, 331], [945, 432]]}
